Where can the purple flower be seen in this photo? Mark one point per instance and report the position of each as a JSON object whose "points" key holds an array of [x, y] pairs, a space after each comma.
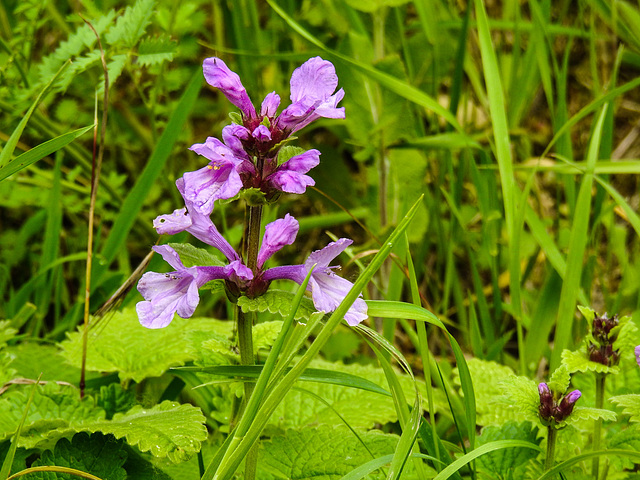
{"points": [[290, 176], [637, 352], [312, 87], [327, 289], [199, 225], [218, 75], [177, 292], [276, 235]]}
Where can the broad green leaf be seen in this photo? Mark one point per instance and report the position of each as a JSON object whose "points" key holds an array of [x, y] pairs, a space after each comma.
{"points": [[627, 438], [577, 361], [53, 406], [520, 398], [323, 452], [36, 153], [120, 344], [278, 302], [360, 408], [100, 455], [166, 430], [630, 403], [583, 415], [115, 399], [560, 380], [504, 463]]}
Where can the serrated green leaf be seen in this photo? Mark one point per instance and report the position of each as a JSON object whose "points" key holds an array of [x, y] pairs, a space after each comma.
{"points": [[30, 359], [97, 454], [287, 152], [167, 430], [323, 452], [120, 344], [520, 395], [53, 406], [195, 257], [588, 313], [577, 361], [628, 438], [156, 50], [486, 376], [360, 408], [115, 399], [278, 302], [503, 463], [560, 380], [130, 27], [75, 44], [631, 405], [580, 415]]}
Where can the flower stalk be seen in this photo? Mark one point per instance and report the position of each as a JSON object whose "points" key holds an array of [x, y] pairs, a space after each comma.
{"points": [[597, 424], [551, 447]]}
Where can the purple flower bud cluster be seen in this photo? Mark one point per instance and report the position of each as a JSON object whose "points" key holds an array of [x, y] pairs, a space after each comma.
{"points": [[550, 410], [601, 351], [248, 158]]}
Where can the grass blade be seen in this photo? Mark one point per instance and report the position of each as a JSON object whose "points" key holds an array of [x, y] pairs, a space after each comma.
{"points": [[37, 153]]}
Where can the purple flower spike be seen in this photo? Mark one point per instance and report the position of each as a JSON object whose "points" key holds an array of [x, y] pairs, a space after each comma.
{"points": [[218, 75], [218, 180], [327, 289], [637, 352], [290, 176], [276, 235], [176, 292], [312, 87]]}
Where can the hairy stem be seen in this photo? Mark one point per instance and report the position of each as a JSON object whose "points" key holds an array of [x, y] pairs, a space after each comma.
{"points": [[597, 424], [551, 447]]}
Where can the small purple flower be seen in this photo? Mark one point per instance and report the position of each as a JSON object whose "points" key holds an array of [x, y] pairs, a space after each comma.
{"points": [[290, 176], [218, 75], [270, 105], [177, 292], [312, 92], [276, 235], [327, 289], [190, 220], [637, 352], [218, 180]]}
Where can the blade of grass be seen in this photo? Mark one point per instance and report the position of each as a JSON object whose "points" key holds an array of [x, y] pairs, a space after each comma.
{"points": [[318, 375], [478, 452], [232, 459], [9, 147], [577, 245], [397, 86], [8, 460], [37, 153]]}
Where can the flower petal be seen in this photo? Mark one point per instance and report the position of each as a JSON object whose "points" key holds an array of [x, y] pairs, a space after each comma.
{"points": [[261, 134], [276, 235], [172, 223], [270, 105], [324, 256], [315, 79], [220, 76]]}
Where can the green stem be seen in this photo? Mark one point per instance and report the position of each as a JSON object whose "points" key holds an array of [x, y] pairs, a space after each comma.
{"points": [[597, 424], [551, 447], [245, 323]]}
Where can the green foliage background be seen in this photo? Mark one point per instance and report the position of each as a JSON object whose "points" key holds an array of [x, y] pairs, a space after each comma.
{"points": [[517, 121]]}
